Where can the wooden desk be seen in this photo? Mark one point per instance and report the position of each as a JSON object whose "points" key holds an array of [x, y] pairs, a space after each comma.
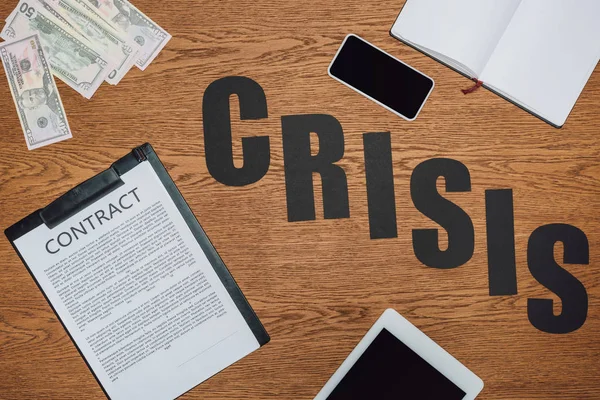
{"points": [[318, 285]]}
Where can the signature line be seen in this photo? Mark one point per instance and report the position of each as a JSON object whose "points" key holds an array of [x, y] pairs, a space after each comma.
{"points": [[208, 348]]}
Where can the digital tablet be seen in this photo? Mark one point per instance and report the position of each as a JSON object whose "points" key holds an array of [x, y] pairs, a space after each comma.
{"points": [[395, 360]]}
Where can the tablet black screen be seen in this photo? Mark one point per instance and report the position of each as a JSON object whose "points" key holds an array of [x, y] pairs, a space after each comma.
{"points": [[390, 370]]}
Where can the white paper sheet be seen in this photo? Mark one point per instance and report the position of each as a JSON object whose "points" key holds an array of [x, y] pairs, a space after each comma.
{"points": [[547, 54], [466, 31]]}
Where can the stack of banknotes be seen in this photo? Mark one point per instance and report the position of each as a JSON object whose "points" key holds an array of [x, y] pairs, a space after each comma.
{"points": [[81, 42]]}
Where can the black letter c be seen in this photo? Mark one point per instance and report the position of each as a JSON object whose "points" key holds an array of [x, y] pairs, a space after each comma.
{"points": [[217, 131], [48, 248], [121, 202]]}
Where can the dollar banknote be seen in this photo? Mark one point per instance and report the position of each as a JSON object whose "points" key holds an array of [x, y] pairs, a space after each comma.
{"points": [[126, 18], [10, 15], [51, 10], [72, 58], [115, 45], [34, 91]]}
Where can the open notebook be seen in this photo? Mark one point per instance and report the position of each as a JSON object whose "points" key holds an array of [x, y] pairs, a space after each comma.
{"points": [[539, 54]]}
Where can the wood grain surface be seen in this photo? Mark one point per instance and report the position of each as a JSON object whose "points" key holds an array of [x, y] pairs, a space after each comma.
{"points": [[319, 285]]}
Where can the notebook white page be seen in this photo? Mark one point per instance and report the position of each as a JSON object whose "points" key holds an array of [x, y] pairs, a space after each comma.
{"points": [[546, 55], [465, 31], [137, 292]]}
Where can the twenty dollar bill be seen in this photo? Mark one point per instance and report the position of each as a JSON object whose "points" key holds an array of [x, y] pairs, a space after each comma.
{"points": [[34, 91]]}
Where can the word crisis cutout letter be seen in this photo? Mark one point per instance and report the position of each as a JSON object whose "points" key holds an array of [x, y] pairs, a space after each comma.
{"points": [[461, 234], [217, 131], [380, 185], [300, 165], [543, 267]]}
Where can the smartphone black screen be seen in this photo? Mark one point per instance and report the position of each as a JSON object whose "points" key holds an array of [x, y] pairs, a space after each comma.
{"points": [[381, 77]]}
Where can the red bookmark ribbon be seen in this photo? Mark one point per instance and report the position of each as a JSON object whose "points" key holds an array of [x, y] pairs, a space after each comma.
{"points": [[473, 88]]}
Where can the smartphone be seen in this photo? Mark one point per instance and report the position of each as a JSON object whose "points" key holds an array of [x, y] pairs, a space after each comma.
{"points": [[380, 77]]}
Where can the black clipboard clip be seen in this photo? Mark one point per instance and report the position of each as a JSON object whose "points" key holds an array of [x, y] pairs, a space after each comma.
{"points": [[91, 190], [80, 197]]}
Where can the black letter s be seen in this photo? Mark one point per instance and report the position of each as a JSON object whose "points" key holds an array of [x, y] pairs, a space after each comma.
{"points": [[543, 267], [461, 234], [217, 131]]}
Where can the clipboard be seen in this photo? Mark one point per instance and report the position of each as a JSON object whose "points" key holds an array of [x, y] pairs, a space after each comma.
{"points": [[101, 185]]}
